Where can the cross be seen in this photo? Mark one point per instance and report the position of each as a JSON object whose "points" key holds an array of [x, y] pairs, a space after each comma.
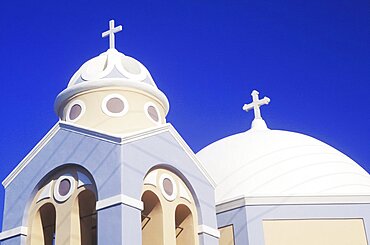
{"points": [[111, 32], [255, 105]]}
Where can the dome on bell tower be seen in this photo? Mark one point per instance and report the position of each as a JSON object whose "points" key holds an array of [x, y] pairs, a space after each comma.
{"points": [[112, 93]]}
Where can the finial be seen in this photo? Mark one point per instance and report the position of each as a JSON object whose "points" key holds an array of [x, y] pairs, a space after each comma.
{"points": [[255, 105], [111, 32]]}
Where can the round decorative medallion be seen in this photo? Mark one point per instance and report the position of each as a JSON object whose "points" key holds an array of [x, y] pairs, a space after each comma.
{"points": [[114, 105], [75, 110], [168, 187], [152, 112], [64, 187]]}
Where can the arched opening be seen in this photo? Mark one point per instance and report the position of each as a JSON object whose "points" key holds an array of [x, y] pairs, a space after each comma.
{"points": [[184, 226], [152, 220], [170, 213], [63, 208], [88, 218], [43, 226]]}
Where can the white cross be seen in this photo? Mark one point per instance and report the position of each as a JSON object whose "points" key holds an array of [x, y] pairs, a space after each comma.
{"points": [[111, 32], [255, 105]]}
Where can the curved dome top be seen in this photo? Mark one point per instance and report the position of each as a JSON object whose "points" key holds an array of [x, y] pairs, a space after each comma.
{"points": [[111, 68], [275, 163], [112, 65]]}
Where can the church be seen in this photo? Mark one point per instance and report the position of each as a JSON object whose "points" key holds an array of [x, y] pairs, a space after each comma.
{"points": [[113, 171]]}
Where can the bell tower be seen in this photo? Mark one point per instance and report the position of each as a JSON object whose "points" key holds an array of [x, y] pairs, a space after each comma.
{"points": [[111, 170]]}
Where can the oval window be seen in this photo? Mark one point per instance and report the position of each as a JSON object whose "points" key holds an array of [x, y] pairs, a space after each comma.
{"points": [[152, 112], [168, 187], [75, 110], [115, 105], [64, 187]]}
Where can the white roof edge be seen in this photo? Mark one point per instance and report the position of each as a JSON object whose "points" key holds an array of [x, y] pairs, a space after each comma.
{"points": [[153, 131], [169, 127], [114, 138], [117, 139], [192, 155], [291, 200], [31, 155], [81, 130]]}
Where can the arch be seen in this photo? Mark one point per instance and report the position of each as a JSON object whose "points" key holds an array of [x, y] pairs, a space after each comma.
{"points": [[43, 226], [152, 219], [64, 167], [184, 179], [179, 212], [71, 190], [185, 232], [51, 176], [60, 168]]}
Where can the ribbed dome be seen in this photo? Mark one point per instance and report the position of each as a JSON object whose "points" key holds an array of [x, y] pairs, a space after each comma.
{"points": [[112, 65], [111, 68], [275, 163]]}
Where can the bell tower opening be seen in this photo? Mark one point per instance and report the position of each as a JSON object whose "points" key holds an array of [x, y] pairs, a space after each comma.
{"points": [[151, 220], [88, 219], [184, 226], [63, 209], [43, 232], [170, 214]]}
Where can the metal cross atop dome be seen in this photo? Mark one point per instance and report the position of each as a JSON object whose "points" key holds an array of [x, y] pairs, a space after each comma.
{"points": [[255, 105], [111, 32]]}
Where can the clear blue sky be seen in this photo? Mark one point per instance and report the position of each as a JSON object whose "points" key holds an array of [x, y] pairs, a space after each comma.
{"points": [[312, 58]]}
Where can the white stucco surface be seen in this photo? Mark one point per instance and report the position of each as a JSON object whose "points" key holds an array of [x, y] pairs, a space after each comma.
{"points": [[274, 163], [111, 69]]}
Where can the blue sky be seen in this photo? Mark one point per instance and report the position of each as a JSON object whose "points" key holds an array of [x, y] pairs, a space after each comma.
{"points": [[312, 58]]}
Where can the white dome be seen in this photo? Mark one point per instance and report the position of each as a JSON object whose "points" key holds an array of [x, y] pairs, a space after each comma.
{"points": [[111, 68], [112, 65], [275, 163]]}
